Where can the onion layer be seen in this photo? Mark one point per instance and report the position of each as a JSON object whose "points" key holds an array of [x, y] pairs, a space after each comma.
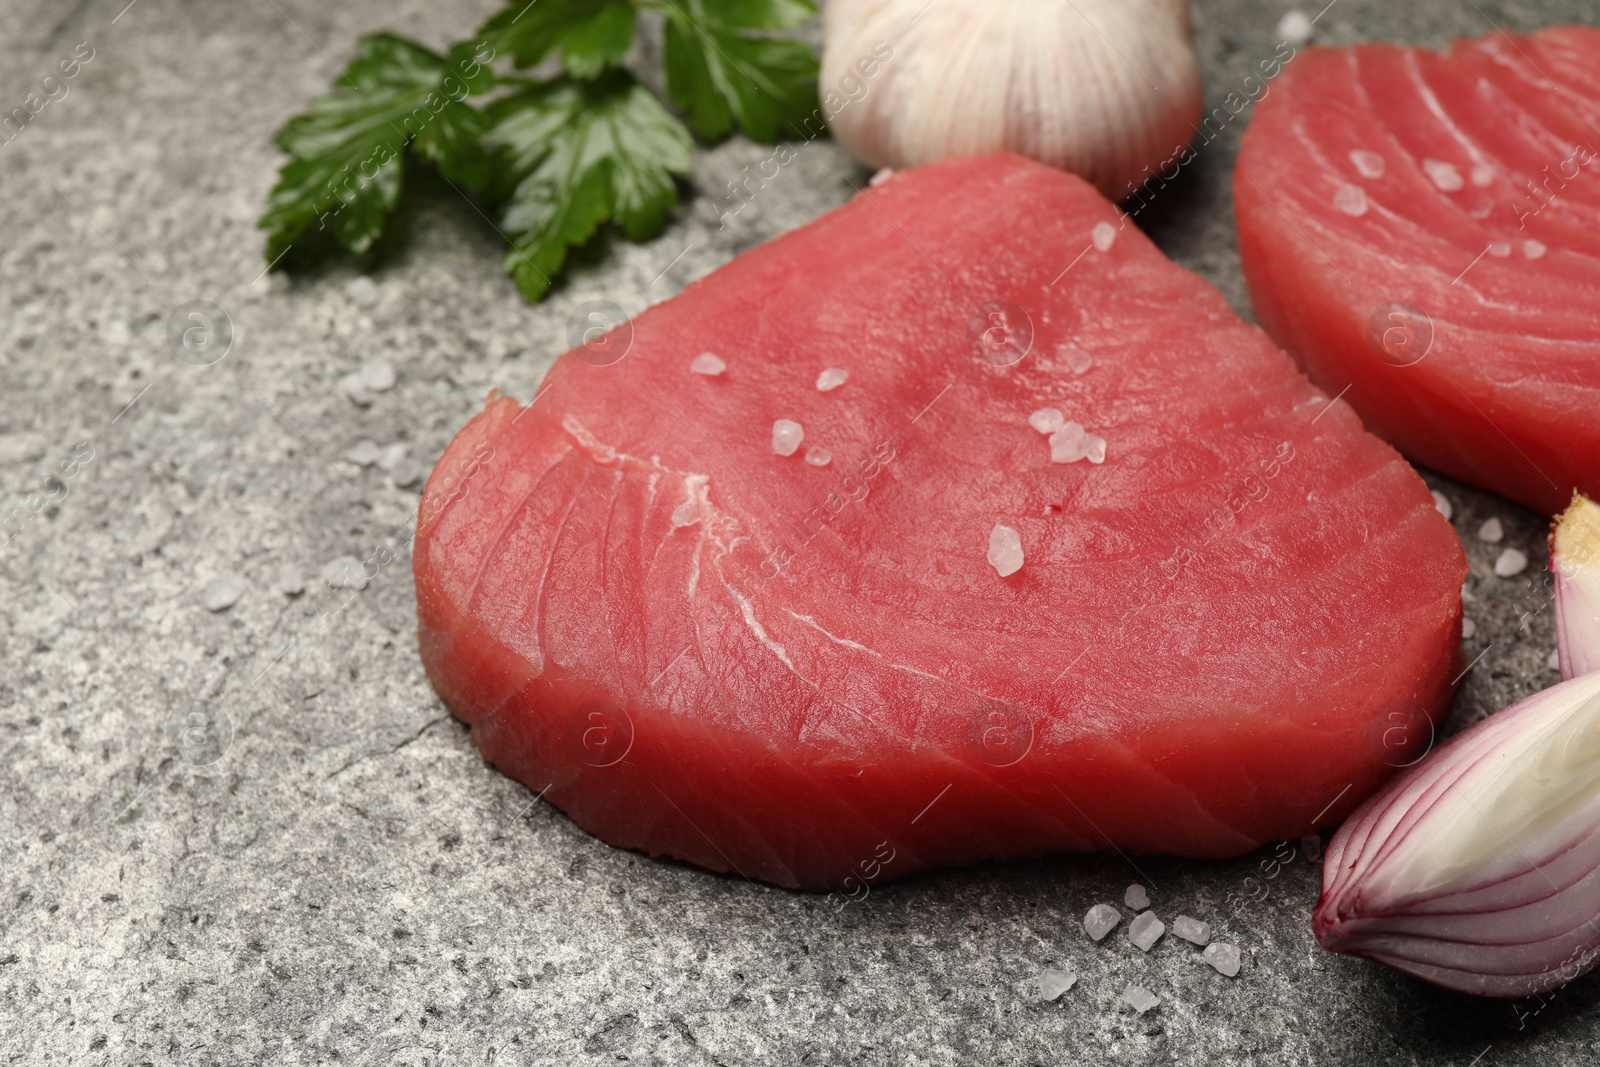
{"points": [[1478, 869]]}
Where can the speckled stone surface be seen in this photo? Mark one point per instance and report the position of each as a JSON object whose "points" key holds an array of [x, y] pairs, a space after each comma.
{"points": [[333, 875]]}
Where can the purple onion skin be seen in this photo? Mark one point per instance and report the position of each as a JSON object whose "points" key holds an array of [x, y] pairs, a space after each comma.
{"points": [[1523, 917]]}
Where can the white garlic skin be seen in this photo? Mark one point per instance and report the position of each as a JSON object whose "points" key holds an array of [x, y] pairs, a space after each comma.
{"points": [[1102, 88]]}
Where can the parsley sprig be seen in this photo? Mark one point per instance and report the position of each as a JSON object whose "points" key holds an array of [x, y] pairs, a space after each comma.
{"points": [[560, 156]]}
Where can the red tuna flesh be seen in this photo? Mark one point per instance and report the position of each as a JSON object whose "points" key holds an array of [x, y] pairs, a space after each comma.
{"points": [[1225, 633], [1424, 230]]}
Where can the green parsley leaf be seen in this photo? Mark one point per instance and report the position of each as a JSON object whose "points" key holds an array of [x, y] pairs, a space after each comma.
{"points": [[591, 35], [347, 152], [724, 65], [582, 153]]}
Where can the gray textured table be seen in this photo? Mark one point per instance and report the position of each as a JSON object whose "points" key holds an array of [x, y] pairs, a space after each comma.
{"points": [[349, 882]]}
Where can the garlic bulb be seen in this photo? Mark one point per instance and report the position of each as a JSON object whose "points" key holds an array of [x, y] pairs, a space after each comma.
{"points": [[1575, 559], [1479, 868], [1103, 88]]}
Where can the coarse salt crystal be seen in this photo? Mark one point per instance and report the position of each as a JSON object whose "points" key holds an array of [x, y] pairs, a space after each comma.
{"points": [[786, 436], [1140, 999], [1351, 200], [818, 456], [1554, 662], [1076, 359], [1146, 930], [1005, 550], [1482, 176], [1491, 532], [1191, 930], [1100, 921], [1223, 957], [390, 455], [1368, 164], [709, 364], [1047, 420], [1499, 249], [223, 593], [1136, 897], [1442, 502], [290, 581], [363, 453], [378, 376], [883, 174], [344, 572], [1072, 442], [1296, 27], [1445, 177], [1534, 249], [831, 378], [1104, 235], [1468, 628], [1052, 983], [1511, 563]]}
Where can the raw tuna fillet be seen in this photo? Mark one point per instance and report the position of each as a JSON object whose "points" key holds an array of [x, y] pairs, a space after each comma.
{"points": [[1423, 230], [721, 607]]}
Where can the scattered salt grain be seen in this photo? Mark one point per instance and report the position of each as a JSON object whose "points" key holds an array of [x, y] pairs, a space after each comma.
{"points": [[355, 387], [1052, 983], [1191, 930], [1140, 999], [1468, 628], [1076, 359], [708, 363], [1146, 930], [362, 291], [363, 454], [883, 175], [223, 593], [1445, 177], [1499, 249], [1368, 164], [1100, 921], [404, 472], [818, 456], [831, 378], [1482, 176], [1104, 235], [1311, 845], [1136, 897], [290, 580], [1047, 420], [1534, 249], [1491, 531], [390, 456], [1005, 551], [344, 572], [1296, 28], [378, 375], [1554, 662], [1071, 443], [1511, 563], [1442, 502], [786, 436], [686, 514], [1223, 957], [1351, 200]]}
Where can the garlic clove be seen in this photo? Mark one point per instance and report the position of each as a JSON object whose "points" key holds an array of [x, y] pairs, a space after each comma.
{"points": [[1478, 869], [1575, 559], [1108, 89]]}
